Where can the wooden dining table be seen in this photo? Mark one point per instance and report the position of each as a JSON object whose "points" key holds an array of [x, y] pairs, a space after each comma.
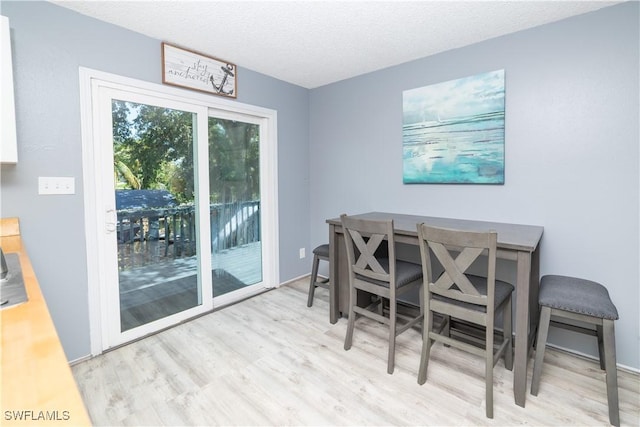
{"points": [[517, 243]]}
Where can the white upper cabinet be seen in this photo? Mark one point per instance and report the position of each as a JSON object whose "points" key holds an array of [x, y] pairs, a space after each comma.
{"points": [[8, 145]]}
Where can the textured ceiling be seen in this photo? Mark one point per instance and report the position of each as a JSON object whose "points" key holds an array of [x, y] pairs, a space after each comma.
{"points": [[313, 43]]}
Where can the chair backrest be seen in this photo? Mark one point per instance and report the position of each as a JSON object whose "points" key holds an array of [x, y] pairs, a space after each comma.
{"points": [[370, 248], [455, 251]]}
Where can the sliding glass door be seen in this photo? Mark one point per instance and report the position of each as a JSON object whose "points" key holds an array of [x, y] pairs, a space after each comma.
{"points": [[184, 220]]}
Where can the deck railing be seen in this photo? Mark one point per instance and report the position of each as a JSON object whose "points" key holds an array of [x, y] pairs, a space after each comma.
{"points": [[155, 235]]}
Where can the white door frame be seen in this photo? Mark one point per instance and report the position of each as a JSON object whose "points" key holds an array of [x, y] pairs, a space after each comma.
{"points": [[96, 216]]}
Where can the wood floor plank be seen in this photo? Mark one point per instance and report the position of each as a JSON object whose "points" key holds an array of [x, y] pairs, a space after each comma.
{"points": [[271, 360]]}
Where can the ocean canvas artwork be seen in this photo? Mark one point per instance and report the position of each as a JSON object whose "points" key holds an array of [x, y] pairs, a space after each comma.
{"points": [[453, 132]]}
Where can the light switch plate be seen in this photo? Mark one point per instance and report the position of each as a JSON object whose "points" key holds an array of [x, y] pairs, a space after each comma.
{"points": [[48, 185]]}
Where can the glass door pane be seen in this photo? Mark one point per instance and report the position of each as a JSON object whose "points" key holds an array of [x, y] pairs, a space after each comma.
{"points": [[156, 228], [235, 215]]}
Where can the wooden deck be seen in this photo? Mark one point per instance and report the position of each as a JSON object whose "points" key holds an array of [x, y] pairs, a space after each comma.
{"points": [[168, 286]]}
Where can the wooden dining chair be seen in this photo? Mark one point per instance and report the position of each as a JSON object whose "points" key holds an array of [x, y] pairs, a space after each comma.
{"points": [[373, 268], [457, 294]]}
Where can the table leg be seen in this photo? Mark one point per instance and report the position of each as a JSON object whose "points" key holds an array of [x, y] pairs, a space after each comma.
{"points": [[522, 328], [334, 284], [534, 287]]}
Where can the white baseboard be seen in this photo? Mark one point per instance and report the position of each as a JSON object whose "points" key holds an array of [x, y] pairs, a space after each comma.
{"points": [[625, 368], [80, 360], [295, 279]]}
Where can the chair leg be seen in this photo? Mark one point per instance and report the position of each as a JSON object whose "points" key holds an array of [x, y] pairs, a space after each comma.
{"points": [[352, 318], [379, 304], [446, 331], [488, 375], [421, 293], [313, 280], [392, 336], [609, 344], [426, 346], [541, 343], [507, 329], [447, 327]]}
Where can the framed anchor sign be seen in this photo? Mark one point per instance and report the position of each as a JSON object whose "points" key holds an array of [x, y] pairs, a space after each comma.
{"points": [[192, 70]]}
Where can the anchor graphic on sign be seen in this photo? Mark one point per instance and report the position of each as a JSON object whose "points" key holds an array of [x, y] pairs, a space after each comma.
{"points": [[228, 72]]}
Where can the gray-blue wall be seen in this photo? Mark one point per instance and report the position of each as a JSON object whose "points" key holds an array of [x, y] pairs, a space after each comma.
{"points": [[572, 149], [49, 43], [571, 144]]}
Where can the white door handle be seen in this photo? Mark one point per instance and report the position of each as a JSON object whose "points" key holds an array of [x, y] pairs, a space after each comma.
{"points": [[110, 220]]}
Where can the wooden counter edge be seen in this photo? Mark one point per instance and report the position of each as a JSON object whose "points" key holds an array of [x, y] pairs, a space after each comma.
{"points": [[37, 386], [9, 227]]}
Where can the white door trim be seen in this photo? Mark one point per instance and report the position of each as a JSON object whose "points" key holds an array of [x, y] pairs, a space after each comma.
{"points": [[95, 217]]}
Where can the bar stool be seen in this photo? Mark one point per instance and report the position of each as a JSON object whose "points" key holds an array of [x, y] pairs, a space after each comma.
{"points": [[319, 253], [585, 301]]}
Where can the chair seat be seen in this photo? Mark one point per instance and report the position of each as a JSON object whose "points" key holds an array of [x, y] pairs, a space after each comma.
{"points": [[577, 295], [406, 273], [322, 251], [502, 292]]}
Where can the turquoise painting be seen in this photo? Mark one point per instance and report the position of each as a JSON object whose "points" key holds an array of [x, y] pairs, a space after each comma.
{"points": [[453, 132]]}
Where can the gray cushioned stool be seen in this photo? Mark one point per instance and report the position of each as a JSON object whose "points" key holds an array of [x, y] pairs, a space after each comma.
{"points": [[319, 253], [585, 301]]}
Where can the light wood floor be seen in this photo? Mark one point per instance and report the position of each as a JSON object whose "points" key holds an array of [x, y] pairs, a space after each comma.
{"points": [[270, 360]]}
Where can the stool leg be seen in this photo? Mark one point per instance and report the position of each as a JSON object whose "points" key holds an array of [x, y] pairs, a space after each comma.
{"points": [[609, 340], [541, 343], [601, 352], [314, 278]]}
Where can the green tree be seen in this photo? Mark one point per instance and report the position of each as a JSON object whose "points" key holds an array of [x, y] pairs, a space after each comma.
{"points": [[233, 161], [124, 165], [153, 149], [156, 145]]}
